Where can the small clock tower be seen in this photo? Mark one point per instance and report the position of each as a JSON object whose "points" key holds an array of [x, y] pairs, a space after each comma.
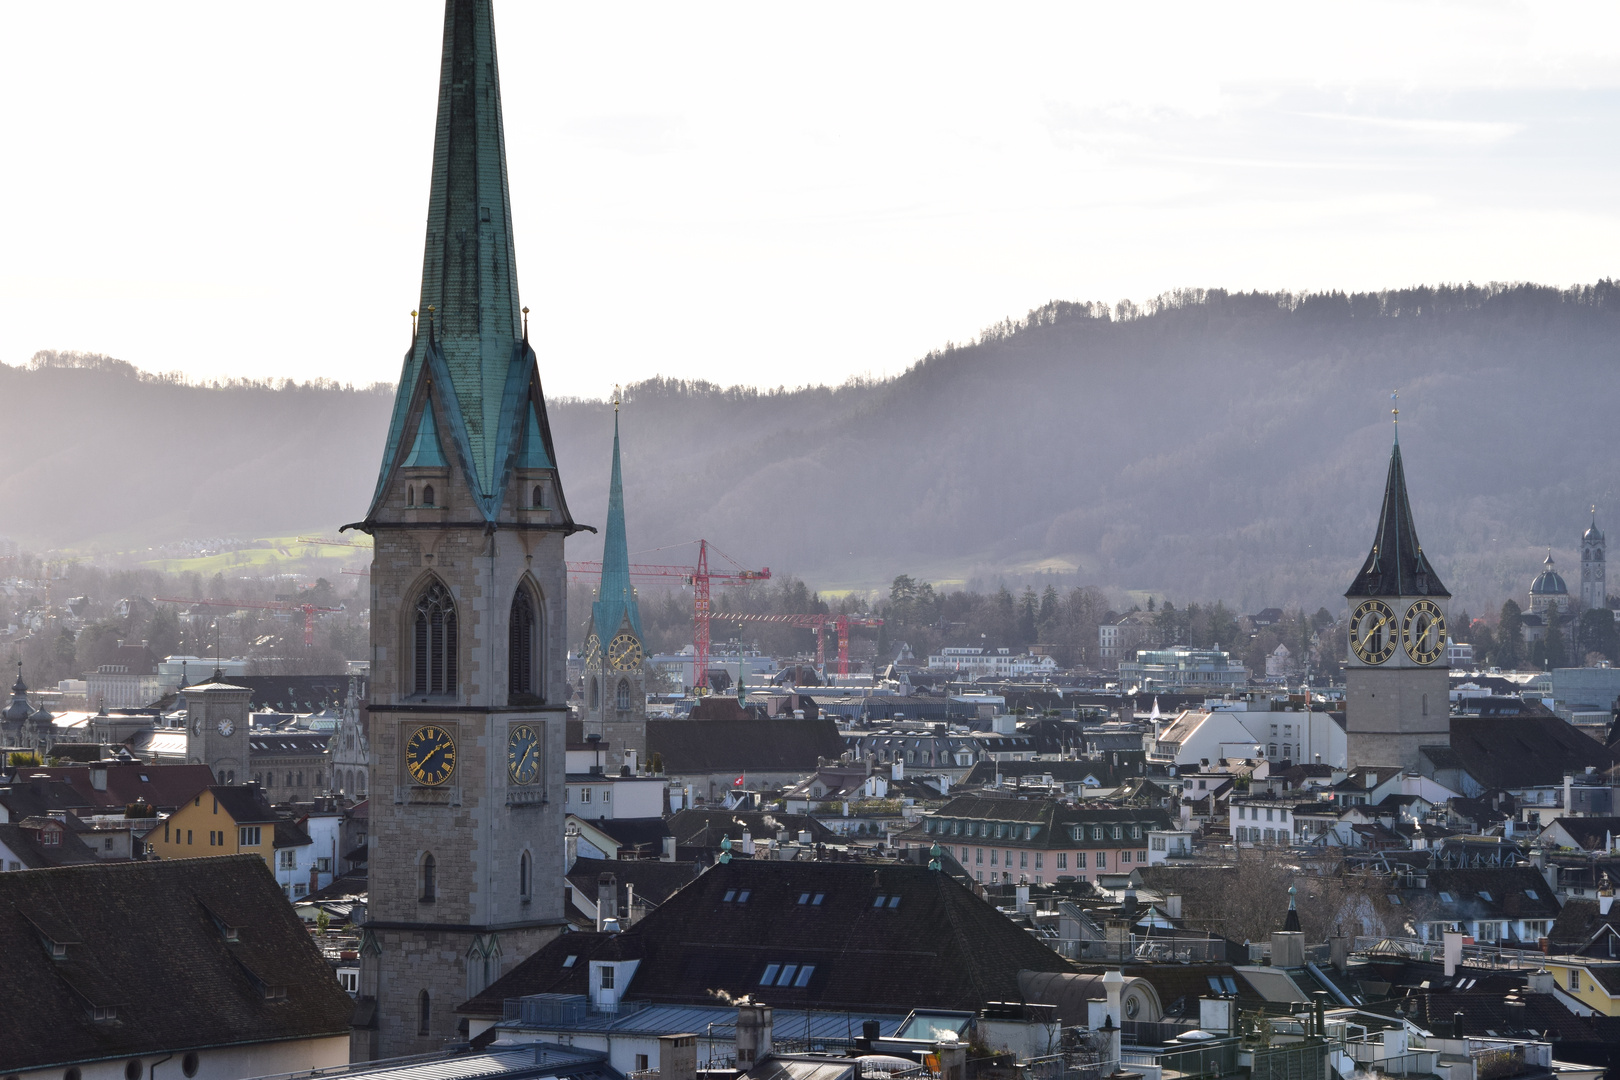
{"points": [[615, 685], [1397, 686], [217, 728]]}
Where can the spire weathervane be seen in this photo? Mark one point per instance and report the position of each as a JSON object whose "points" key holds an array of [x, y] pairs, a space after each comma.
{"points": [[1395, 413], [615, 398]]}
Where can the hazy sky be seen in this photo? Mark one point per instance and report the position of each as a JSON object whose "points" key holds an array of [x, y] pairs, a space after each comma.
{"points": [[780, 194]]}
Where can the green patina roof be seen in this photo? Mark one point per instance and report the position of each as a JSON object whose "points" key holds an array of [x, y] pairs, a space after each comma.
{"points": [[534, 454], [1396, 566], [469, 353], [615, 598], [426, 450]]}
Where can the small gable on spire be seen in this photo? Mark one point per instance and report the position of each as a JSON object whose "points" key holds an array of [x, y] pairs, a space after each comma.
{"points": [[533, 455], [426, 452]]}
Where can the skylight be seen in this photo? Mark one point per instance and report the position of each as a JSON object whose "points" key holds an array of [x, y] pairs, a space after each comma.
{"points": [[804, 898], [1485, 896], [568, 962]]}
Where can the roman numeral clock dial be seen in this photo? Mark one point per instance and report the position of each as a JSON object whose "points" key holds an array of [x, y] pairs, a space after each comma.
{"points": [[1423, 632], [1373, 633], [430, 755]]}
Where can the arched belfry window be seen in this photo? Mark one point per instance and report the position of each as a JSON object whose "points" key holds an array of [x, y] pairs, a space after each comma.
{"points": [[430, 879], [523, 653], [424, 1013], [622, 697], [594, 695], [525, 876], [435, 641]]}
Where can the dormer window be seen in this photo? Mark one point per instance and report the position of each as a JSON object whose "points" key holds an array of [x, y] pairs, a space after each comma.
{"points": [[427, 495], [539, 502]]}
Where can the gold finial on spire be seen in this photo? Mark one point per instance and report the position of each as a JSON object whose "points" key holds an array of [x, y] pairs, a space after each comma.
{"points": [[615, 398], [413, 324], [1395, 396], [525, 324]]}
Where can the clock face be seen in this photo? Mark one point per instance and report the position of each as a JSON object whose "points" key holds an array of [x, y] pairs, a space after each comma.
{"points": [[196, 727], [430, 755], [624, 652], [1372, 632], [1423, 632], [225, 726], [523, 755], [593, 651]]}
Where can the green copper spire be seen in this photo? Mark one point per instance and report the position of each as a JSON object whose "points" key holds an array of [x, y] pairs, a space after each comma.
{"points": [[615, 598], [470, 351]]}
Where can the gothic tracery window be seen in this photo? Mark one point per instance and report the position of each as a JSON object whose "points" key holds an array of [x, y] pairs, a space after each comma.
{"points": [[435, 641]]}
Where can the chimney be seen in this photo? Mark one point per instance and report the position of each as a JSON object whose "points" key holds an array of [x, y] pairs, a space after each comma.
{"points": [[753, 1034], [952, 1057], [677, 1057], [607, 899], [314, 878], [1287, 949], [1129, 907], [1320, 998], [669, 849], [570, 846], [897, 771], [98, 775], [1457, 1019], [1453, 953], [1114, 989], [1172, 905], [1539, 981], [1339, 951], [1569, 794], [1022, 894]]}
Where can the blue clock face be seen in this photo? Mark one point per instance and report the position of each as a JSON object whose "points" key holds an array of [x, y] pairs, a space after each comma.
{"points": [[523, 755], [430, 755]]}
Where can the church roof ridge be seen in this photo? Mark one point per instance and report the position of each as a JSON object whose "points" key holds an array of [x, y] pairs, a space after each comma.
{"points": [[1396, 566]]}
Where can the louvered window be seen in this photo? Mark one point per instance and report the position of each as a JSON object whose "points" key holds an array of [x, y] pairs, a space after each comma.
{"points": [[523, 672]]}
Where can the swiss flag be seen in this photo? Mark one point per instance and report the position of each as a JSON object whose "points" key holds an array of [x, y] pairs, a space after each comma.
{"points": [[737, 782]]}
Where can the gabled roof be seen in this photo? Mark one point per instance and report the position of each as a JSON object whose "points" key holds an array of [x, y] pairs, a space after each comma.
{"points": [[706, 828], [1396, 566], [744, 745], [296, 693], [163, 786], [23, 842], [246, 805], [653, 880], [1514, 752], [930, 942], [147, 939], [1592, 833]]}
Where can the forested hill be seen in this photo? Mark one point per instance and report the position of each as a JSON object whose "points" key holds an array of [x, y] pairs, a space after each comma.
{"points": [[1211, 446]]}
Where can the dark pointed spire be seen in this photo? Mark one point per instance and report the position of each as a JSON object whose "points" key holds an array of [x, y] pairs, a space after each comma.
{"points": [[1396, 566], [615, 598]]}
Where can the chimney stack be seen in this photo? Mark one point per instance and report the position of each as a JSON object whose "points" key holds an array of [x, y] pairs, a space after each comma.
{"points": [[607, 899], [677, 1057], [753, 1034], [1453, 953]]}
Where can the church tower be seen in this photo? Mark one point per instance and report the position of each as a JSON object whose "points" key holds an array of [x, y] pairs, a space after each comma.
{"points": [[467, 606], [615, 689], [217, 728], [1594, 589], [1397, 686]]}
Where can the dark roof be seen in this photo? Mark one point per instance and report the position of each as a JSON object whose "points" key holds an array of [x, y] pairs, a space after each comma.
{"points": [[1396, 566], [645, 834], [939, 946], [246, 805], [1062, 772], [706, 828], [296, 693], [146, 939], [718, 746], [23, 840], [1051, 819], [654, 881], [163, 786], [1592, 833], [1515, 892], [289, 742], [1523, 751]]}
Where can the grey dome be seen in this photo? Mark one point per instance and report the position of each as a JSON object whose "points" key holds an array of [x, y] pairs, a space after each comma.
{"points": [[1549, 582]]}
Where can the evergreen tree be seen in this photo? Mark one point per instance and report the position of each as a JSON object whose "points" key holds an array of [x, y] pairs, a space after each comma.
{"points": [[1509, 636], [1597, 634], [1553, 651]]}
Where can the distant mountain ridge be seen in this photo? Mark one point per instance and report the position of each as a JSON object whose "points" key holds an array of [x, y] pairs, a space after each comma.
{"points": [[1212, 445]]}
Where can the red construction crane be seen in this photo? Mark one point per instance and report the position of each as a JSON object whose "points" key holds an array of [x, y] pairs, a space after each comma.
{"points": [[818, 623], [309, 610], [699, 578]]}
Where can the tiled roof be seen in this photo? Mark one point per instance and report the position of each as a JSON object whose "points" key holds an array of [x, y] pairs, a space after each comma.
{"points": [[33, 855], [930, 942], [296, 693], [246, 805], [654, 881], [146, 940], [706, 828], [746, 745], [163, 786], [1523, 751]]}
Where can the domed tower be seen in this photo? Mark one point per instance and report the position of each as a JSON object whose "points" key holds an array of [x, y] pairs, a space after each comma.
{"points": [[1548, 591], [1594, 589], [1398, 680]]}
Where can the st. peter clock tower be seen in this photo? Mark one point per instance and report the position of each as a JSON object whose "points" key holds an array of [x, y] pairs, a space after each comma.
{"points": [[1397, 686], [468, 617]]}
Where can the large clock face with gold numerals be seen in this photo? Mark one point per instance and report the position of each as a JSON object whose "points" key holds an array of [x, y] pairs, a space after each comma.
{"points": [[624, 652], [593, 651], [1423, 632], [1373, 633], [430, 755], [523, 754]]}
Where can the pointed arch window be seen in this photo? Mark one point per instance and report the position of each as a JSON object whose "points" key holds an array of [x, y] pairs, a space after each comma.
{"points": [[622, 697], [524, 649], [429, 875], [427, 495], [424, 1012], [595, 693], [435, 641], [526, 877]]}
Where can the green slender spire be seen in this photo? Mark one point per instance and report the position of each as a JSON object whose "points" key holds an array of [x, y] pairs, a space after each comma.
{"points": [[615, 599], [470, 352]]}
